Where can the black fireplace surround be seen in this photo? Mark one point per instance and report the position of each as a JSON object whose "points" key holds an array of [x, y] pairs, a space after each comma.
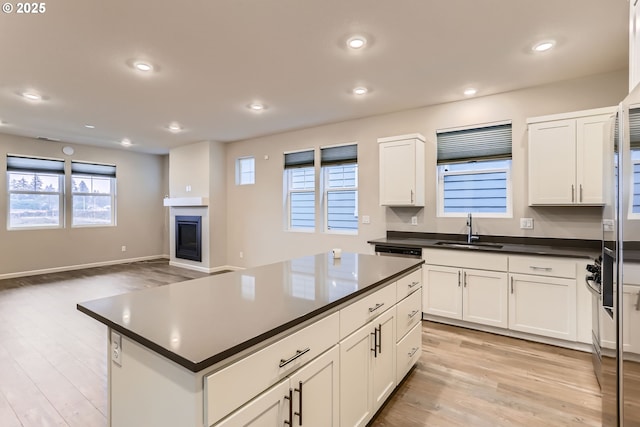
{"points": [[189, 237]]}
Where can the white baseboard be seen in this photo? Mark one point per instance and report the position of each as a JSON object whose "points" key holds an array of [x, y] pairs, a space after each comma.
{"points": [[77, 267], [204, 269]]}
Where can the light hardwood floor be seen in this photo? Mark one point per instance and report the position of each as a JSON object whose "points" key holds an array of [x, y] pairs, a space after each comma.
{"points": [[53, 363]]}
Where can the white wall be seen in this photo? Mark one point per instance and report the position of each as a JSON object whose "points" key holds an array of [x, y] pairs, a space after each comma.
{"points": [[255, 212], [141, 225]]}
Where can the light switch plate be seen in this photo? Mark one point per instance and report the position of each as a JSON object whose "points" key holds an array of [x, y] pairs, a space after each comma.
{"points": [[607, 225], [414, 220], [526, 223], [366, 219]]}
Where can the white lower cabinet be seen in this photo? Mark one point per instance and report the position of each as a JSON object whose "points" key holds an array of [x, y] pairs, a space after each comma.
{"points": [[477, 296], [543, 306], [307, 398], [367, 369], [408, 351]]}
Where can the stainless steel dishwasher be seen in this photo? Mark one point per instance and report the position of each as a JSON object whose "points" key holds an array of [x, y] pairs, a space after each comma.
{"points": [[398, 251]]}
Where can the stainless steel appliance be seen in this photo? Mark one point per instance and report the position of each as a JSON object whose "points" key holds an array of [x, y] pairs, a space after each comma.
{"points": [[619, 321], [398, 251], [594, 284]]}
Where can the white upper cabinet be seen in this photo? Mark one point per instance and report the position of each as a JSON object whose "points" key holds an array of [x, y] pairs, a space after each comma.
{"points": [[402, 170], [566, 158]]}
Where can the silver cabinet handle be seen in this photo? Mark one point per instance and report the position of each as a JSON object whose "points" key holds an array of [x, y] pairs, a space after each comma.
{"points": [[573, 193], [412, 284], [284, 362], [580, 193], [411, 196], [464, 279], [533, 267], [377, 306], [638, 302], [412, 352], [511, 284], [459, 278], [380, 338], [414, 312]]}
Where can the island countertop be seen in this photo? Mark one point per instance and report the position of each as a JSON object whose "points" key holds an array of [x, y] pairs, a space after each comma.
{"points": [[201, 322]]}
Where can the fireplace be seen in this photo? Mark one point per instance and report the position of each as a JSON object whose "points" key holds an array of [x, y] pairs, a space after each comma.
{"points": [[189, 237]]}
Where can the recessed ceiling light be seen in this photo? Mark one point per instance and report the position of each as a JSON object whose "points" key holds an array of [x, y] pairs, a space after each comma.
{"points": [[32, 96], [90, 126], [126, 142], [543, 46], [143, 66], [356, 42], [174, 127], [360, 91], [256, 106], [470, 91]]}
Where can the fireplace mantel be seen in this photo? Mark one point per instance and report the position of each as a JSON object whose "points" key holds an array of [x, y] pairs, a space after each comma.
{"points": [[186, 201]]}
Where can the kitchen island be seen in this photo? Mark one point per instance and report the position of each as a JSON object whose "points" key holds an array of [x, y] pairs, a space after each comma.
{"points": [[211, 351]]}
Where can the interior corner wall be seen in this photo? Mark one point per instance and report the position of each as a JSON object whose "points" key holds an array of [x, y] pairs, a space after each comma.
{"points": [[255, 213], [218, 204], [139, 214]]}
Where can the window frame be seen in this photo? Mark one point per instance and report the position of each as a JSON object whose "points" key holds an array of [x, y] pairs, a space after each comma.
{"points": [[440, 190], [325, 197], [289, 190], [240, 173], [36, 166], [633, 162], [112, 194]]}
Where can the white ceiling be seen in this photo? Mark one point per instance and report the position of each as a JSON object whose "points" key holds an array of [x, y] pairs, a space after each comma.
{"points": [[214, 57]]}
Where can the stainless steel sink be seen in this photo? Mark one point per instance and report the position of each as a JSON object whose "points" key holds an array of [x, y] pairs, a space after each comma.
{"points": [[474, 245]]}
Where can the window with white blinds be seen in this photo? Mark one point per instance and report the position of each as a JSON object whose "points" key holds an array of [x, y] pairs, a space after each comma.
{"points": [[300, 181], [340, 172], [36, 189], [474, 171]]}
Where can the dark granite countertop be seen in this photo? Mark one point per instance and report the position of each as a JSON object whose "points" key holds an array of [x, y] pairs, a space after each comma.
{"points": [[201, 322], [574, 248]]}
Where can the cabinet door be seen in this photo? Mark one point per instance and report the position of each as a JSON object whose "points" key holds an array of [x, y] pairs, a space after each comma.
{"points": [[267, 410], [543, 306], [484, 297], [442, 291], [552, 164], [355, 378], [316, 392], [590, 145], [383, 362], [398, 173]]}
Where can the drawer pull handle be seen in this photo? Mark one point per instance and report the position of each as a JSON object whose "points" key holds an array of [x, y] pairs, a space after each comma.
{"points": [[533, 267], [284, 362], [414, 312], [412, 284], [290, 399], [377, 306], [299, 413], [412, 352]]}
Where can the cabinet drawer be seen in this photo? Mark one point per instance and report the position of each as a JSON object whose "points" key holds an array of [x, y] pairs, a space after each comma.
{"points": [[543, 266], [361, 311], [408, 351], [409, 312], [408, 284], [255, 373], [465, 259]]}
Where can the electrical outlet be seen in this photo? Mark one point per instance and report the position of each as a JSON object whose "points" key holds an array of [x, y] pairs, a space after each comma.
{"points": [[188, 188], [241, 254], [366, 219], [607, 225], [526, 223], [116, 348], [124, 248], [414, 220]]}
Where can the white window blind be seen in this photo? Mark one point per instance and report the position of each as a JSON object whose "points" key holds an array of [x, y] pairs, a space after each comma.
{"points": [[474, 168]]}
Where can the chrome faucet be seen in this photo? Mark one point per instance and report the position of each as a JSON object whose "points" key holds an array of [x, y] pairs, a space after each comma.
{"points": [[470, 236]]}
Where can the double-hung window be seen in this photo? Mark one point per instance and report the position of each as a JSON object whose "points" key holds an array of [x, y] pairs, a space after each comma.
{"points": [[340, 187], [300, 182], [474, 171], [94, 188], [36, 191]]}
